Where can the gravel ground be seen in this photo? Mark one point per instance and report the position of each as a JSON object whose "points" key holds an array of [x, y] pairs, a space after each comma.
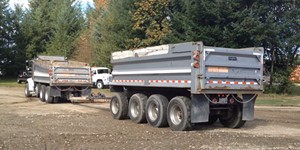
{"points": [[27, 123]]}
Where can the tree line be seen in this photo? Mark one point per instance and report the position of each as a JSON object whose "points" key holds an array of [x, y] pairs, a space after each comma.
{"points": [[59, 27]]}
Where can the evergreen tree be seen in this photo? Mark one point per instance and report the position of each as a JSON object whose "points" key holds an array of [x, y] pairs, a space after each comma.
{"points": [[52, 26], [37, 26], [12, 56], [66, 25], [112, 30], [5, 51]]}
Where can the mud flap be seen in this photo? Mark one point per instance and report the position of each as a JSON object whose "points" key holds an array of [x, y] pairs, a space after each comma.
{"points": [[200, 108], [248, 108], [55, 92]]}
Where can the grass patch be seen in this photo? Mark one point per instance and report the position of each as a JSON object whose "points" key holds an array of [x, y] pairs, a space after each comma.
{"points": [[278, 100], [106, 92], [294, 90], [12, 82]]}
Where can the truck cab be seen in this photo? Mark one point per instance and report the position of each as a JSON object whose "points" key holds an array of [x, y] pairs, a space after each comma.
{"points": [[101, 76]]}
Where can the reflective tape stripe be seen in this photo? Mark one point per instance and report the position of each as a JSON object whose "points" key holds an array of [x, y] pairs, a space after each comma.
{"points": [[130, 81], [154, 81], [170, 81], [231, 82]]}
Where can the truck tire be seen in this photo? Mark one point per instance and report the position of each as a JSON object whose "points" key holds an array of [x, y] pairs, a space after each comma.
{"points": [[42, 93], [179, 114], [119, 106], [27, 92], [48, 98], [212, 120], [37, 89], [234, 117], [136, 108], [156, 110], [99, 84]]}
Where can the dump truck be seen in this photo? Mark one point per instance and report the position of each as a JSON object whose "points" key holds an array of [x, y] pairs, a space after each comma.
{"points": [[55, 78], [181, 85]]}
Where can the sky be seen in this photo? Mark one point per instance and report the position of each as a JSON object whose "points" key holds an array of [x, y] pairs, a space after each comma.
{"points": [[24, 3]]}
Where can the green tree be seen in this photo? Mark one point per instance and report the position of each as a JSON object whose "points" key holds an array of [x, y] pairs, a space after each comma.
{"points": [[52, 26], [12, 56], [150, 22], [112, 30], [37, 27], [66, 25]]}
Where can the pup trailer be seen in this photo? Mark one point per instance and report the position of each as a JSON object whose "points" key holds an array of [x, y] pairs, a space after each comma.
{"points": [[55, 78], [179, 85]]}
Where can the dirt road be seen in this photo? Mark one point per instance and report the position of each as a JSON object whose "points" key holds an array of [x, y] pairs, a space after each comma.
{"points": [[31, 124]]}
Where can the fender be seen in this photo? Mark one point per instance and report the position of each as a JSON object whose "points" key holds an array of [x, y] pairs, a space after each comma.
{"points": [[30, 84]]}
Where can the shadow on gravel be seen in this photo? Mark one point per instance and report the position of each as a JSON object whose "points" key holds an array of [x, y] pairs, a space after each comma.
{"points": [[98, 107], [248, 125]]}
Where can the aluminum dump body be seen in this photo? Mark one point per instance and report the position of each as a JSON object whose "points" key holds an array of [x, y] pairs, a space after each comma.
{"points": [[56, 71], [191, 66]]}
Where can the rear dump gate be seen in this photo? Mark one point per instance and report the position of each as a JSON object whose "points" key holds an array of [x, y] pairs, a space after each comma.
{"points": [[63, 73], [231, 69]]}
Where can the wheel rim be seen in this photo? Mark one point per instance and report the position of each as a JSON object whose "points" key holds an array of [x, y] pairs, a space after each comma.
{"points": [[134, 109], [153, 111], [99, 85], [41, 94], [115, 106], [176, 115], [46, 96], [36, 90], [26, 91]]}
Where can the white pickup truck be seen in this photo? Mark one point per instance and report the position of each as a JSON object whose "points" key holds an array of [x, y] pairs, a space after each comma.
{"points": [[101, 76]]}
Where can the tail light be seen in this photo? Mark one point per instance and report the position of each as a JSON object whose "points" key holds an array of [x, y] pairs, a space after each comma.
{"points": [[196, 64], [50, 71], [214, 100], [196, 57]]}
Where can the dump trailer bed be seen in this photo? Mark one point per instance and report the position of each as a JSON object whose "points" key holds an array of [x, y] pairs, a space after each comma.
{"points": [[211, 79], [216, 70], [54, 77], [61, 72]]}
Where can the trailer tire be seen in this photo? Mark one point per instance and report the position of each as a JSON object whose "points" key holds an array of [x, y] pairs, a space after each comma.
{"points": [[27, 92], [42, 93], [119, 106], [48, 98], [179, 114], [136, 108], [212, 120], [37, 89], [234, 118], [156, 110]]}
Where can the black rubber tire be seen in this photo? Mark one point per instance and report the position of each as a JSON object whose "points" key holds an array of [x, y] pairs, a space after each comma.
{"points": [[99, 84], [56, 100], [136, 108], [234, 117], [212, 120], [42, 93], [119, 106], [48, 98], [179, 114], [37, 89], [26, 91], [157, 118]]}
